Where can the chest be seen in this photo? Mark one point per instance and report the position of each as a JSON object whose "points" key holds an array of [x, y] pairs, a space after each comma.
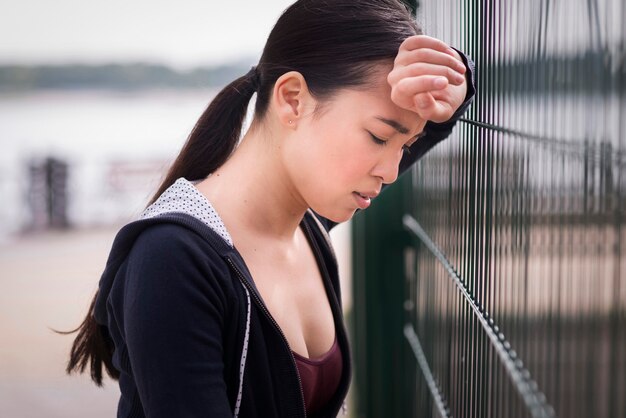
{"points": [[291, 285]]}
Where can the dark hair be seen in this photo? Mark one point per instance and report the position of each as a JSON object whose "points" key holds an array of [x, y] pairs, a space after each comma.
{"points": [[334, 44]]}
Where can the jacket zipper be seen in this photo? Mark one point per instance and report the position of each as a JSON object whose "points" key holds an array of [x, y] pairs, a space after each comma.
{"points": [[273, 321], [325, 277]]}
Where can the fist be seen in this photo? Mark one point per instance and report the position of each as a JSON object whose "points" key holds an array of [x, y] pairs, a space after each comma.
{"points": [[428, 78]]}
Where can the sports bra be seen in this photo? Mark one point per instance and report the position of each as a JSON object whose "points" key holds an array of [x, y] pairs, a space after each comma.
{"points": [[320, 377]]}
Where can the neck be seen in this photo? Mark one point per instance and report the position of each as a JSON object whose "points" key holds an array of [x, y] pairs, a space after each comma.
{"points": [[253, 191]]}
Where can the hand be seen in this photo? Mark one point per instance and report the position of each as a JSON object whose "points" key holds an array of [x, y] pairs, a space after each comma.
{"points": [[428, 78]]}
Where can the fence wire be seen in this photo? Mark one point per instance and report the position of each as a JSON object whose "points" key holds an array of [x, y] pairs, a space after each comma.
{"points": [[514, 294]]}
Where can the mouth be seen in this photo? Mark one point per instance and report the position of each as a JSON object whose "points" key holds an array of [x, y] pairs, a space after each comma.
{"points": [[364, 199]]}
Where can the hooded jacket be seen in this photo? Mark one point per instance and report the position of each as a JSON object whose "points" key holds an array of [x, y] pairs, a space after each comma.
{"points": [[192, 336]]}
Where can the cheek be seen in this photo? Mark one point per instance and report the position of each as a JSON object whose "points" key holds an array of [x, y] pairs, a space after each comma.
{"points": [[355, 168], [327, 168], [341, 163], [308, 163]]}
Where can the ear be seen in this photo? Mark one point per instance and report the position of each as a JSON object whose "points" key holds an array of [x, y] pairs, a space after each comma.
{"points": [[291, 98]]}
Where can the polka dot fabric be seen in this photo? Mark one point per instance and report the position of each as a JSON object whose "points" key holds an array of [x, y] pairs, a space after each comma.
{"points": [[183, 196]]}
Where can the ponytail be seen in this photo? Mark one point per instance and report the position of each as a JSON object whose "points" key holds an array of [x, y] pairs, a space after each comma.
{"points": [[215, 135], [92, 345], [210, 143]]}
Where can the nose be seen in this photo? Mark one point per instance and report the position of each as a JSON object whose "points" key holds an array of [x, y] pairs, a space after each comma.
{"points": [[388, 166]]}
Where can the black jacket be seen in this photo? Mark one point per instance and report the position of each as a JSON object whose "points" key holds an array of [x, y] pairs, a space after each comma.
{"points": [[191, 333], [177, 310]]}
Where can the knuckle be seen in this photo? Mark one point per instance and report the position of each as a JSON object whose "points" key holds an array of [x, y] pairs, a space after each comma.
{"points": [[403, 87], [421, 54], [406, 42], [418, 68], [394, 95], [398, 99], [411, 41], [452, 62], [402, 60]]}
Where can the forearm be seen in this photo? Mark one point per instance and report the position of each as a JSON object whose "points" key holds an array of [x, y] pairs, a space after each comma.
{"points": [[437, 132]]}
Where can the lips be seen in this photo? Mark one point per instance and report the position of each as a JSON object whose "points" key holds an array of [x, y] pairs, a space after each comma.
{"points": [[367, 195], [364, 199]]}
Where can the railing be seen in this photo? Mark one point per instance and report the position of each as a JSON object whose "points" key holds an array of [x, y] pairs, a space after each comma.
{"points": [[491, 281]]}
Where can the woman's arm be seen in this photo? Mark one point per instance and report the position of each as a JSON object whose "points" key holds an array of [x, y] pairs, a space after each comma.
{"points": [[440, 104], [436, 132], [173, 316]]}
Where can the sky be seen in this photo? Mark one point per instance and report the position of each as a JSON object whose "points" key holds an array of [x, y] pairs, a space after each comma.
{"points": [[183, 34], [190, 33]]}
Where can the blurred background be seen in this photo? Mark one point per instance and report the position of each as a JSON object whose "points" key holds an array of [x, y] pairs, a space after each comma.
{"points": [[490, 278], [96, 99]]}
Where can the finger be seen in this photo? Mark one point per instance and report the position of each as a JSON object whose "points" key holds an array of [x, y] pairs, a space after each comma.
{"points": [[403, 92], [411, 86], [431, 109], [424, 101], [430, 56], [423, 41], [424, 68], [455, 54]]}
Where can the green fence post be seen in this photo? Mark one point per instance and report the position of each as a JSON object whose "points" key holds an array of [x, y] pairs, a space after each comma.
{"points": [[379, 347], [385, 370]]}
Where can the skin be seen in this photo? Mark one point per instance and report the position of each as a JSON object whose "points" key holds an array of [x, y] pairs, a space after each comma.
{"points": [[292, 160]]}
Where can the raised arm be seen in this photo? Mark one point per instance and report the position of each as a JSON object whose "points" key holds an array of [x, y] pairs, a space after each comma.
{"points": [[425, 79], [421, 63]]}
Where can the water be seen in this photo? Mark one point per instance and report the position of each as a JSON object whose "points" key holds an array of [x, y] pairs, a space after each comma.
{"points": [[102, 135]]}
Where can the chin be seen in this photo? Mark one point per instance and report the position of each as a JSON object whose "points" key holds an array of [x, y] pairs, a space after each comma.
{"points": [[335, 215]]}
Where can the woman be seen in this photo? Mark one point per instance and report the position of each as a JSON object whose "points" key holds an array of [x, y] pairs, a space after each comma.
{"points": [[223, 298]]}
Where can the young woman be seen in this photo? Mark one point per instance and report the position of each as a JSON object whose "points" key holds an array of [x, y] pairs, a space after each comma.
{"points": [[223, 299]]}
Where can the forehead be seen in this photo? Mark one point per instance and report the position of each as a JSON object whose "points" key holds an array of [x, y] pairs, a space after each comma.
{"points": [[373, 103]]}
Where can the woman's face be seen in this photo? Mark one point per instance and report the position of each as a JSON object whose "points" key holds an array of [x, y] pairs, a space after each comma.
{"points": [[340, 159]]}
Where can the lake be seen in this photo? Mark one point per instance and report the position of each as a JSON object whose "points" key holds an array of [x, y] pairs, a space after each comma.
{"points": [[101, 135]]}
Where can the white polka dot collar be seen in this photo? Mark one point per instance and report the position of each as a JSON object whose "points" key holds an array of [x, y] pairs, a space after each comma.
{"points": [[183, 196]]}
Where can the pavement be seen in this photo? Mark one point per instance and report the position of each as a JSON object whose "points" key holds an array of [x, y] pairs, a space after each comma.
{"points": [[47, 280]]}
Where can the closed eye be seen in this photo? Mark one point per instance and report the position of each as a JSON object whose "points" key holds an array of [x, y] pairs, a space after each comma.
{"points": [[377, 140]]}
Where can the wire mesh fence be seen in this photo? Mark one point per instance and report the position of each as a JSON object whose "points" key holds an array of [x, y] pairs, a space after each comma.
{"points": [[491, 282]]}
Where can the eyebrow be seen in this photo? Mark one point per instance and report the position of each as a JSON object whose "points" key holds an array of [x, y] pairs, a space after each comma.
{"points": [[394, 124]]}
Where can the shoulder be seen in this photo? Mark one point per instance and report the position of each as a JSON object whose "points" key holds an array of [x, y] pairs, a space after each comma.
{"points": [[170, 241], [168, 235], [172, 252]]}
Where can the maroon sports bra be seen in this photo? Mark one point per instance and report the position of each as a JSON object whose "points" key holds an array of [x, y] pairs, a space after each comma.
{"points": [[320, 377]]}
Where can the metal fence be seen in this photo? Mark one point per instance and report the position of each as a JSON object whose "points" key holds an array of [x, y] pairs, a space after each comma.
{"points": [[491, 281]]}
